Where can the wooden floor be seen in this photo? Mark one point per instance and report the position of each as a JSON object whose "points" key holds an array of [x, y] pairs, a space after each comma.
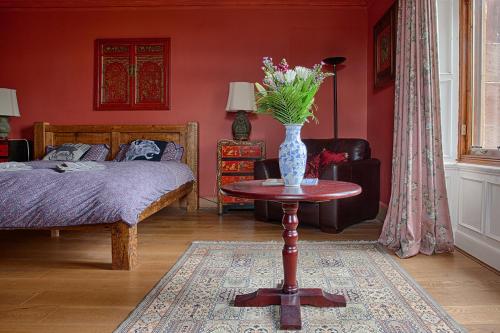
{"points": [[66, 285]]}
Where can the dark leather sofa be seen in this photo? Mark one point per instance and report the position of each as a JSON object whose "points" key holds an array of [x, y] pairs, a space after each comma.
{"points": [[332, 216]]}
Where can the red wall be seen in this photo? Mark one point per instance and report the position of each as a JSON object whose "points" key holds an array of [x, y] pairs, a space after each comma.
{"points": [[47, 55], [380, 111]]}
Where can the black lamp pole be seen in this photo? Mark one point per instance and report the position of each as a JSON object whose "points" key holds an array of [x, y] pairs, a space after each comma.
{"points": [[334, 61]]}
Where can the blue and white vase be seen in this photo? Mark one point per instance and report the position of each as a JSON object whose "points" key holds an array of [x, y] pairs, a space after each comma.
{"points": [[292, 156]]}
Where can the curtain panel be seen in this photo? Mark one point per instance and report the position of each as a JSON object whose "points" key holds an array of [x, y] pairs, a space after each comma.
{"points": [[418, 219]]}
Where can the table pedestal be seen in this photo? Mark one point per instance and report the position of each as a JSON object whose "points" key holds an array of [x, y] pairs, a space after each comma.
{"points": [[290, 297]]}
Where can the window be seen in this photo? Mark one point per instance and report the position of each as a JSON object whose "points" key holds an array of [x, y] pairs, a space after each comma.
{"points": [[480, 81]]}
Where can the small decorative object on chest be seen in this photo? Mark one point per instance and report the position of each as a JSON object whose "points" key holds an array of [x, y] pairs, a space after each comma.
{"points": [[235, 162], [241, 99]]}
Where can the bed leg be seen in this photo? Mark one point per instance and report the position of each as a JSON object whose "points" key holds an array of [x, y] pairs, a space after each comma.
{"points": [[123, 246], [183, 202], [54, 233], [192, 199]]}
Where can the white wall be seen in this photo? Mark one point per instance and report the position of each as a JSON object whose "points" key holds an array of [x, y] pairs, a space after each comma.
{"points": [[473, 190]]}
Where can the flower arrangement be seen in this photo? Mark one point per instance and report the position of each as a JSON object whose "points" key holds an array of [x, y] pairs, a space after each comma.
{"points": [[288, 94]]}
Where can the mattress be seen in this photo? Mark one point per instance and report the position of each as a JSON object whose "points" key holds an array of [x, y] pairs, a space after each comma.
{"points": [[43, 197]]}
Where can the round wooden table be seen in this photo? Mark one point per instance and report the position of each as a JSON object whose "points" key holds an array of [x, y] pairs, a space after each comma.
{"points": [[290, 297]]}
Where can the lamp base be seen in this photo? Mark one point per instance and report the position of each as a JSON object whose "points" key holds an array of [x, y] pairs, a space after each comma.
{"points": [[4, 127], [241, 127]]}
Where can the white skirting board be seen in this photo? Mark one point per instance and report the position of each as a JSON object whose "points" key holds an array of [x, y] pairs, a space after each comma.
{"points": [[478, 249]]}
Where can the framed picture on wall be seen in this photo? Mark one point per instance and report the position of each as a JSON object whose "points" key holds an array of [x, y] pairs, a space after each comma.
{"points": [[132, 74], [384, 43]]}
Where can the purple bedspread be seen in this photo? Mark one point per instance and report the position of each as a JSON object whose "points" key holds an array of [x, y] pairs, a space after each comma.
{"points": [[43, 197]]}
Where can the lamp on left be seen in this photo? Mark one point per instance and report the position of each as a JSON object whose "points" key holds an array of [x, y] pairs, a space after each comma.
{"points": [[8, 108], [241, 99]]}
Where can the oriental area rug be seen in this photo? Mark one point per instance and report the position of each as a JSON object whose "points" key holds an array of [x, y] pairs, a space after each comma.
{"points": [[197, 294]]}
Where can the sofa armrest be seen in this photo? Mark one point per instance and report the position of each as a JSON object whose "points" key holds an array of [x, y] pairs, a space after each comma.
{"points": [[265, 169]]}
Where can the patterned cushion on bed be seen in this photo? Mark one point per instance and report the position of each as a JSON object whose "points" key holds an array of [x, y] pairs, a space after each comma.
{"points": [[49, 148], [172, 152], [67, 152], [121, 153], [148, 150], [96, 153]]}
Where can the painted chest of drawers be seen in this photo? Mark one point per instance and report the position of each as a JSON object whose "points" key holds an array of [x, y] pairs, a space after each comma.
{"points": [[235, 160]]}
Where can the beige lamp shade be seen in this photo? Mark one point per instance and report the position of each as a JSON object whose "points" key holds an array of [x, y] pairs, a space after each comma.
{"points": [[8, 103], [241, 97]]}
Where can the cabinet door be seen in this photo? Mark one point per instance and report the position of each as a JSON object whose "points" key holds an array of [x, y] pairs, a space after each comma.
{"points": [[151, 75], [114, 75]]}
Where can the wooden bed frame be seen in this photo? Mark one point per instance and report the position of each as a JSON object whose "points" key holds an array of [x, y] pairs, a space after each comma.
{"points": [[123, 236]]}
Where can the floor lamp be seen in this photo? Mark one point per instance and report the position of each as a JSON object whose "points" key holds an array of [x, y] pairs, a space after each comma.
{"points": [[334, 61]]}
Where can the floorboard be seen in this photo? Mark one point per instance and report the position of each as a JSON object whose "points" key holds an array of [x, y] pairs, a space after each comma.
{"points": [[66, 284]]}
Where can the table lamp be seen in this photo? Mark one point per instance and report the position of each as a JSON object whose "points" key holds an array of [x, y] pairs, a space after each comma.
{"points": [[8, 108], [241, 99]]}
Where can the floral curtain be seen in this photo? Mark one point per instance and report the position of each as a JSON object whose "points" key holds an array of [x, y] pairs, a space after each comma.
{"points": [[418, 218]]}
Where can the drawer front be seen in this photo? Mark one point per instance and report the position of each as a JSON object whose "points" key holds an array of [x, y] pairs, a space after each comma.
{"points": [[232, 200], [253, 151], [4, 149], [236, 166], [233, 179]]}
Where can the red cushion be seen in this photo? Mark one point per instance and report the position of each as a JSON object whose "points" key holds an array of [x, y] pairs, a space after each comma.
{"points": [[321, 160], [312, 166], [329, 157]]}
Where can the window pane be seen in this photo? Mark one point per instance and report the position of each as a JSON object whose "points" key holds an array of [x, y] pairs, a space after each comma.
{"points": [[486, 119]]}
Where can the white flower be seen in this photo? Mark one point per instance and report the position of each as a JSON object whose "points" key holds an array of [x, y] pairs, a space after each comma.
{"points": [[279, 77], [268, 80], [303, 72], [290, 76]]}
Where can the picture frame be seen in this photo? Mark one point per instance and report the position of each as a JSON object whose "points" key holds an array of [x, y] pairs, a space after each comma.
{"points": [[132, 74], [384, 48]]}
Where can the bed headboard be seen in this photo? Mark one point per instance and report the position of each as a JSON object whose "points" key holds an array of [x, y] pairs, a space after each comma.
{"points": [[115, 135]]}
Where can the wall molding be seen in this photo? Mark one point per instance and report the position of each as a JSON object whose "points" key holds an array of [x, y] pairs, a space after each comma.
{"points": [[21, 4], [479, 235]]}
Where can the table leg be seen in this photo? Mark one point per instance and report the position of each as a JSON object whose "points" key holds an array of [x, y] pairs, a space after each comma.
{"points": [[289, 296], [290, 250]]}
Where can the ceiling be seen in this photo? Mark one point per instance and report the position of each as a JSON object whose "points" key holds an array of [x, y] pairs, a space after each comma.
{"points": [[180, 3]]}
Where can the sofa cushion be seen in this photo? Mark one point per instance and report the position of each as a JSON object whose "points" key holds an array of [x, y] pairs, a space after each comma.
{"points": [[316, 162], [357, 149], [312, 166], [329, 157]]}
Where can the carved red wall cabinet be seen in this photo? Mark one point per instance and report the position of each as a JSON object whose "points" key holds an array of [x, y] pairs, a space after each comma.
{"points": [[132, 74]]}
